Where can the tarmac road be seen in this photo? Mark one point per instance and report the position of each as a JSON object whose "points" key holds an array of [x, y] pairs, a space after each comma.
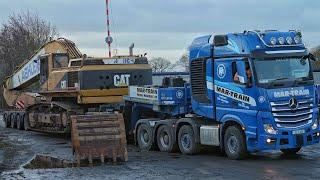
{"points": [[210, 164]]}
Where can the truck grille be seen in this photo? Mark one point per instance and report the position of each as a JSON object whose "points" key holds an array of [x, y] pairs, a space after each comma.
{"points": [[198, 81], [288, 118]]}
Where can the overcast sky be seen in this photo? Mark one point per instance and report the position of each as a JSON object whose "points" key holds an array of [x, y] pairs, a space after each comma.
{"points": [[166, 27]]}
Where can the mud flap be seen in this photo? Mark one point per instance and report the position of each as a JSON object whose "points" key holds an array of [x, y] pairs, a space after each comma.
{"points": [[99, 136]]}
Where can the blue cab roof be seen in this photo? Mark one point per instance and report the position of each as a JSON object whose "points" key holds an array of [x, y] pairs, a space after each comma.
{"points": [[249, 43]]}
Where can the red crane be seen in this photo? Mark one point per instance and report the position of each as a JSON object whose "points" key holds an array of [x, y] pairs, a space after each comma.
{"points": [[109, 38]]}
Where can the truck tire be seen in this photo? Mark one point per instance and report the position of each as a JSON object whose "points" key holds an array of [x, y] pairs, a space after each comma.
{"points": [[186, 141], [291, 151], [165, 139], [13, 122], [20, 124], [144, 137], [17, 120], [6, 120], [235, 143], [25, 122]]}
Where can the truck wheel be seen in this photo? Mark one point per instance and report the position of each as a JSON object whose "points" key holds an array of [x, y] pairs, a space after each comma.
{"points": [[13, 122], [144, 137], [20, 122], [9, 117], [186, 141], [18, 117], [6, 120], [235, 143], [291, 151], [25, 122], [165, 139]]}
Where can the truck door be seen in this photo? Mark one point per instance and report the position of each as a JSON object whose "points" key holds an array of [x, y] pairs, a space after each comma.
{"points": [[234, 85], [44, 72]]}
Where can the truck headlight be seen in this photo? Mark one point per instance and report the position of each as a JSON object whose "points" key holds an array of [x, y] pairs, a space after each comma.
{"points": [[315, 124], [268, 128]]}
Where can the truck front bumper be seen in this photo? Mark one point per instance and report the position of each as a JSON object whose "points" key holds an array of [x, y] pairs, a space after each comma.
{"points": [[284, 139]]}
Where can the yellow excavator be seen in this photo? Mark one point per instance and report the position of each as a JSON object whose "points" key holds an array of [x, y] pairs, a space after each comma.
{"points": [[59, 89]]}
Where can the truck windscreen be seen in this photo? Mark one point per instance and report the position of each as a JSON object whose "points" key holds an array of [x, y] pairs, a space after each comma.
{"points": [[282, 70]]}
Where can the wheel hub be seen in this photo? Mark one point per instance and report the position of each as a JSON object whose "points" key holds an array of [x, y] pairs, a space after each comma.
{"points": [[164, 139], [232, 144], [186, 141], [145, 137]]}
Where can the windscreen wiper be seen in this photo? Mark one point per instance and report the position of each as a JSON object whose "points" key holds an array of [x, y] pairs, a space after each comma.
{"points": [[272, 83], [301, 80]]}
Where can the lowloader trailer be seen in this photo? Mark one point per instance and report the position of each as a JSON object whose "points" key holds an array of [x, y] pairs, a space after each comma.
{"points": [[248, 92]]}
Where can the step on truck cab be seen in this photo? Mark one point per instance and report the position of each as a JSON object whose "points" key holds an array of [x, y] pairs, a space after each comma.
{"points": [[248, 92]]}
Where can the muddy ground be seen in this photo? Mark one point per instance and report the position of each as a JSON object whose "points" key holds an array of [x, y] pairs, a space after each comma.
{"points": [[17, 148]]}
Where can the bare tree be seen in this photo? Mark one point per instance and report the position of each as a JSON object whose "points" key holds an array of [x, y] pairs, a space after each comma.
{"points": [[20, 37], [316, 52], [184, 61], [160, 64]]}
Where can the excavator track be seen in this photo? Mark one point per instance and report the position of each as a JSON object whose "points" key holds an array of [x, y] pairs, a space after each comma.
{"points": [[99, 136], [51, 117]]}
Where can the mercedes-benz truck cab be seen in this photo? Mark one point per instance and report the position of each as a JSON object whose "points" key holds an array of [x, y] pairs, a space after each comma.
{"points": [[266, 86]]}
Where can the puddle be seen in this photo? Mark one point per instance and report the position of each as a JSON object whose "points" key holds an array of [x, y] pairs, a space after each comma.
{"points": [[47, 162], [175, 156]]}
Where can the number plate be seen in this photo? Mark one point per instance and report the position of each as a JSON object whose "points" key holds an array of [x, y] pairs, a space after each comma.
{"points": [[301, 131]]}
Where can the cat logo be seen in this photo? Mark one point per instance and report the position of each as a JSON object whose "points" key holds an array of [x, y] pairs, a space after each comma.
{"points": [[121, 80]]}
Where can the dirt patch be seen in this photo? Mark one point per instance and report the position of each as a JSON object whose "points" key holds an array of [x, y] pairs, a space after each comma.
{"points": [[3, 144], [47, 162]]}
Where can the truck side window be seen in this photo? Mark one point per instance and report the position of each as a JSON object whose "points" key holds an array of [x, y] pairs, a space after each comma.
{"points": [[235, 73]]}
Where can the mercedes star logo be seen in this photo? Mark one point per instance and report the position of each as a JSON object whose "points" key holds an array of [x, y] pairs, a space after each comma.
{"points": [[293, 104]]}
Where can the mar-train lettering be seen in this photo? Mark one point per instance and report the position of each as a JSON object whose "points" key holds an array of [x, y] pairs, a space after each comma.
{"points": [[297, 92], [235, 95]]}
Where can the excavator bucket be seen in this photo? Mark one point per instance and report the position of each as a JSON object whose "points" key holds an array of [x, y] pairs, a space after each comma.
{"points": [[99, 136]]}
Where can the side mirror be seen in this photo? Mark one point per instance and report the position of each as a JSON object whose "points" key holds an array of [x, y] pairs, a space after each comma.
{"points": [[220, 40], [242, 74]]}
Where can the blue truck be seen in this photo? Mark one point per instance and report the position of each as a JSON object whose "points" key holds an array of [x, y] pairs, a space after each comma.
{"points": [[248, 92]]}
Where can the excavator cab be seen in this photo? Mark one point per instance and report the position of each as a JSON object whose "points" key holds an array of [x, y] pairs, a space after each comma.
{"points": [[48, 63]]}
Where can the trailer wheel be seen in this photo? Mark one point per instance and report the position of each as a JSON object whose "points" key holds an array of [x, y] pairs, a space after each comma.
{"points": [[235, 143], [186, 141], [165, 139], [20, 124], [18, 117], [13, 122], [144, 137], [9, 117], [6, 120], [291, 151], [25, 121]]}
